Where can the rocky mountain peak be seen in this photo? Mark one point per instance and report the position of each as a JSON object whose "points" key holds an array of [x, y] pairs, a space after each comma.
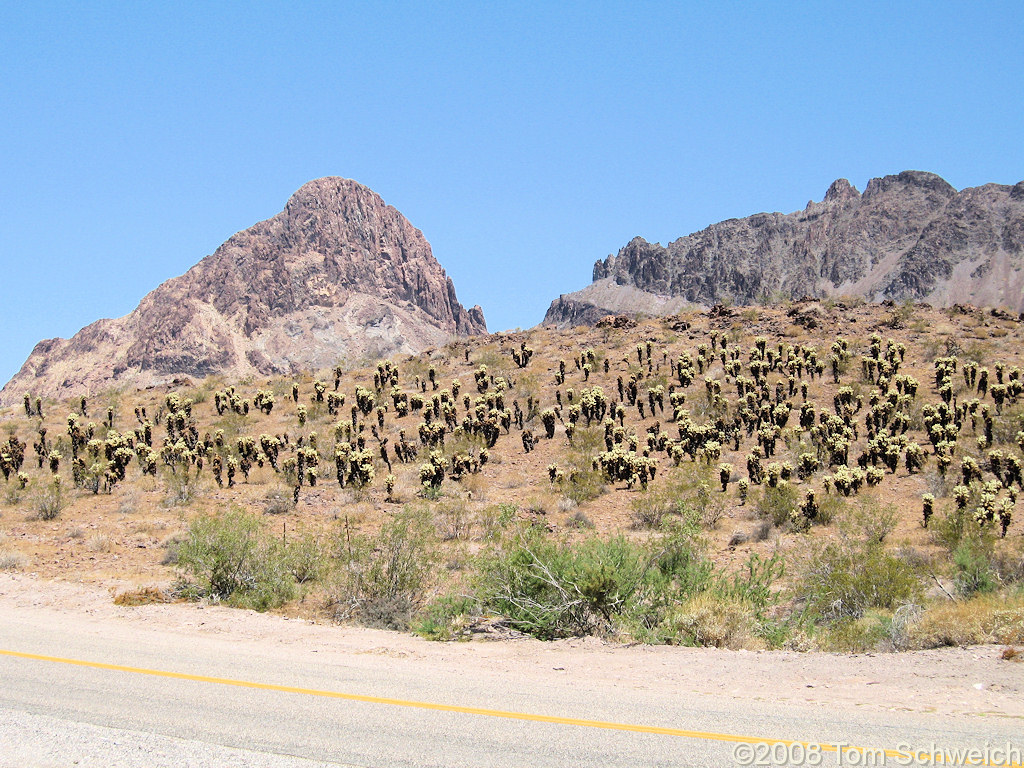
{"points": [[841, 190], [337, 274], [910, 235], [906, 182]]}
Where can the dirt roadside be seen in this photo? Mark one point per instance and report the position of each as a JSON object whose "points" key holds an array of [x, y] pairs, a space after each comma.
{"points": [[973, 681]]}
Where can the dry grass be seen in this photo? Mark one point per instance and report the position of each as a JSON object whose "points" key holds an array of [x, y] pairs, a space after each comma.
{"points": [[141, 596], [13, 560], [99, 543], [708, 620], [987, 619]]}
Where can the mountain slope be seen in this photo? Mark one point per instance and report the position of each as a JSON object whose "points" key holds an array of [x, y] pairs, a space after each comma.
{"points": [[338, 273], [908, 236]]}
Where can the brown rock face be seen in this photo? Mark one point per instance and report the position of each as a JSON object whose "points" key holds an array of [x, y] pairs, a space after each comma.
{"points": [[909, 236], [337, 274]]}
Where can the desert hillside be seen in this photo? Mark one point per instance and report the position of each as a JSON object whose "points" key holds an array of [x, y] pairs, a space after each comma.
{"points": [[811, 475]]}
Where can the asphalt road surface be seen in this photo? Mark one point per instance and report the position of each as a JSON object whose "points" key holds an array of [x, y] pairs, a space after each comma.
{"points": [[108, 693]]}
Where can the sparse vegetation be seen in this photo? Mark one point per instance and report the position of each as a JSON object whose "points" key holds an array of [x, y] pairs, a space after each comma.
{"points": [[230, 558], [11, 559], [574, 484]]}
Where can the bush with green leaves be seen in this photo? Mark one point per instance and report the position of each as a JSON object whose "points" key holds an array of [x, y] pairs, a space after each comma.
{"points": [[550, 588], [50, 499], [950, 528], [182, 487], [382, 581], [974, 568], [230, 558], [846, 578], [615, 586], [779, 504], [447, 617], [686, 494]]}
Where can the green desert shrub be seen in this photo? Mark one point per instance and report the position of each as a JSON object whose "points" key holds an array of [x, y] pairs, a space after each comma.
{"points": [[687, 492], [446, 617], [846, 578], [974, 569], [381, 581], [583, 482], [550, 588], [182, 487], [873, 631], [228, 557], [50, 500], [618, 587], [651, 508], [779, 504], [584, 485], [494, 519], [950, 528]]}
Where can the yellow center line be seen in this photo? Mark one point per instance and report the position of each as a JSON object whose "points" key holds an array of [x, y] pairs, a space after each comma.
{"points": [[478, 711]]}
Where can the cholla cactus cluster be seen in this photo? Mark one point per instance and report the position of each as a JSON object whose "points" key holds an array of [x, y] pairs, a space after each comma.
{"points": [[366, 401], [433, 472], [522, 355], [33, 407], [754, 410], [353, 465], [12, 456], [228, 400], [548, 417], [622, 464]]}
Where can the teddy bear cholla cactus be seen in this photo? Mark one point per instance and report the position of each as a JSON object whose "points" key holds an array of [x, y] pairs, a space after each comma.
{"points": [[366, 401], [529, 441], [12, 455], [522, 355], [463, 464], [264, 401], [724, 474], [625, 465], [809, 509], [547, 417], [359, 470], [927, 509], [433, 472]]}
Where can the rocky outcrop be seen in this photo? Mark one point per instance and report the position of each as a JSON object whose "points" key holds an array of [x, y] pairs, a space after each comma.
{"points": [[908, 236], [338, 274]]}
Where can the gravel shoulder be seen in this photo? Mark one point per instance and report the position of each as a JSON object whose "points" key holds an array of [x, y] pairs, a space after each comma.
{"points": [[955, 682]]}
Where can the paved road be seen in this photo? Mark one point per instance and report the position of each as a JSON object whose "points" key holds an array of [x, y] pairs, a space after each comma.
{"points": [[56, 713]]}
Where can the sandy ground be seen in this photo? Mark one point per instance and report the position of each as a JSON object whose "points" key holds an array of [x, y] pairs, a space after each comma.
{"points": [[972, 681]]}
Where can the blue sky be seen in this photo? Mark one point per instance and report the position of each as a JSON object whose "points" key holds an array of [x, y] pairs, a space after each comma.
{"points": [[526, 140]]}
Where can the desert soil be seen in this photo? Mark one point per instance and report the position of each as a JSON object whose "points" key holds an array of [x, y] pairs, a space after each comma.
{"points": [[957, 682]]}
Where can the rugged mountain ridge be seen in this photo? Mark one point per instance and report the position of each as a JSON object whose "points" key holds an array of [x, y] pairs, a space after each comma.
{"points": [[338, 273], [908, 236]]}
